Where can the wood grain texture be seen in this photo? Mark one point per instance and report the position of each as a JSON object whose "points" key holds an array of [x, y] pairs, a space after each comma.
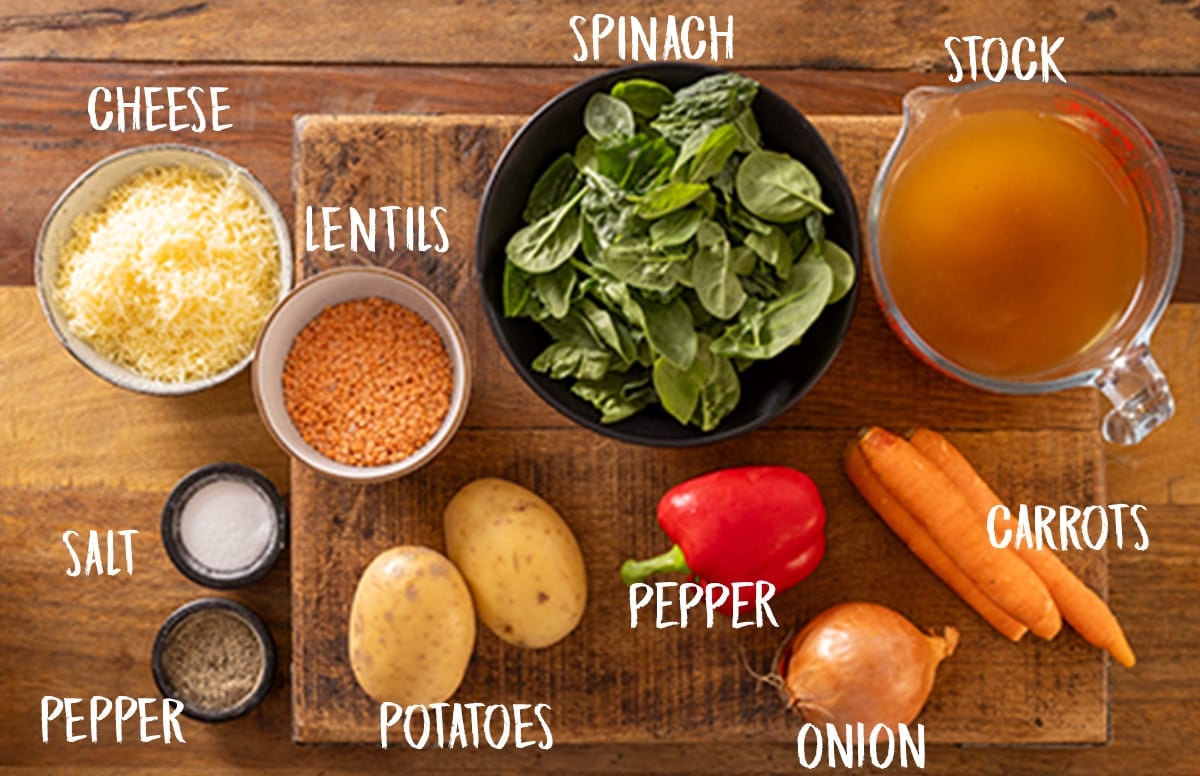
{"points": [[1153, 709], [374, 161], [46, 140], [1126, 37], [608, 684], [1136, 472], [65, 427], [84, 637], [93, 635]]}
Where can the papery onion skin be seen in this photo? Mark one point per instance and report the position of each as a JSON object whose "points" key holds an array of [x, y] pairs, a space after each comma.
{"points": [[863, 662]]}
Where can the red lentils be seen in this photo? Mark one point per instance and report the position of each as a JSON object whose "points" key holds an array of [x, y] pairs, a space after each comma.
{"points": [[367, 382]]}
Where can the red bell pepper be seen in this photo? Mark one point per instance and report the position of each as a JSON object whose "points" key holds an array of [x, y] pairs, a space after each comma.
{"points": [[740, 525]]}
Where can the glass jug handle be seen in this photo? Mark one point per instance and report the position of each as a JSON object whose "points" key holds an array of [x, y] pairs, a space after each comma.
{"points": [[1140, 396]]}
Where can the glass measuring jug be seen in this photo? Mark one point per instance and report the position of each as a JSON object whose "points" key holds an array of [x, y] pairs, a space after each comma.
{"points": [[1026, 238]]}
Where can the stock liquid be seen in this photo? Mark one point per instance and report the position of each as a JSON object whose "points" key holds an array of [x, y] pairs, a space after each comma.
{"points": [[1011, 241]]}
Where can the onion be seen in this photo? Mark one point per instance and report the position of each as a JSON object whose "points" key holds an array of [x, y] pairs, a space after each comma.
{"points": [[862, 662]]}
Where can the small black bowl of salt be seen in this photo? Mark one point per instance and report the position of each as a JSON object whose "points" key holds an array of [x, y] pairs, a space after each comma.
{"points": [[216, 657], [224, 525]]}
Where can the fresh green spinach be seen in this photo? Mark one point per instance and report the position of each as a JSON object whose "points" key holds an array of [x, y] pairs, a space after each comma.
{"points": [[670, 330], [607, 118], [764, 331], [713, 274], [667, 198], [554, 289], [775, 187], [643, 96], [564, 360], [717, 99], [707, 149], [556, 185], [617, 395], [675, 228], [670, 251], [549, 241]]}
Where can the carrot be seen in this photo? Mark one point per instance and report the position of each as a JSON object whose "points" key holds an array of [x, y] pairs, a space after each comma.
{"points": [[1085, 611], [934, 500], [917, 539]]}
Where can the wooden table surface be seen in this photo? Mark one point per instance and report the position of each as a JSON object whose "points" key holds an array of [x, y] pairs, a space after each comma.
{"points": [[78, 454]]}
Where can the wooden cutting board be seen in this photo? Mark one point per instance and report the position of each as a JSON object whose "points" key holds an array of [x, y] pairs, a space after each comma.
{"points": [[607, 682]]}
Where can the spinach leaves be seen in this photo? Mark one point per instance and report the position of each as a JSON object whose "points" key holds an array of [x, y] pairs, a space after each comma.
{"points": [[713, 277], [670, 251], [776, 187], [549, 241]]}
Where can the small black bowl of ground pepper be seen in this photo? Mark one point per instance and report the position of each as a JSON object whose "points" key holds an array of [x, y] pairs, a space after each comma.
{"points": [[216, 657]]}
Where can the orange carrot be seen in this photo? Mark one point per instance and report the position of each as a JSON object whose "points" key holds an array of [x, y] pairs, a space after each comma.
{"points": [[1085, 611], [923, 546], [934, 500]]}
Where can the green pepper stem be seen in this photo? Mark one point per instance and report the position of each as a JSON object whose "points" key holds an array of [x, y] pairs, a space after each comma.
{"points": [[670, 561]]}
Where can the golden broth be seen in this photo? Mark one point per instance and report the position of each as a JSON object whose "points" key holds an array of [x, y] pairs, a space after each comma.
{"points": [[1011, 241]]}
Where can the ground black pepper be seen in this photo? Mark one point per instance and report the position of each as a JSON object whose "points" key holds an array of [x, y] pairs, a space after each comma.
{"points": [[212, 659]]}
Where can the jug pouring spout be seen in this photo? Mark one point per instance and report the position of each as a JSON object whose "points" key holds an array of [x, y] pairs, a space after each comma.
{"points": [[1026, 238], [920, 102], [922, 109]]}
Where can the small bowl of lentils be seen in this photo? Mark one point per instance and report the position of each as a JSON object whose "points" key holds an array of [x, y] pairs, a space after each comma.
{"points": [[362, 374]]}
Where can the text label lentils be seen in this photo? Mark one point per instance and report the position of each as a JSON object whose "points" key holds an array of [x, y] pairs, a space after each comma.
{"points": [[367, 382]]}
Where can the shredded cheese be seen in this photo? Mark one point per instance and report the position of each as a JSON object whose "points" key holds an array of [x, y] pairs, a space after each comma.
{"points": [[173, 276]]}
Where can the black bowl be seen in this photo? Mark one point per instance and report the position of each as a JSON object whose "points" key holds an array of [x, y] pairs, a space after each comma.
{"points": [[267, 667], [769, 388], [172, 533]]}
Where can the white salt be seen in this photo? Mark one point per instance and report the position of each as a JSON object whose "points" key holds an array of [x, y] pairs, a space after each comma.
{"points": [[227, 524]]}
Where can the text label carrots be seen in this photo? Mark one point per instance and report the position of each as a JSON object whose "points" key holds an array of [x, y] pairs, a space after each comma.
{"points": [[1085, 611], [922, 489]]}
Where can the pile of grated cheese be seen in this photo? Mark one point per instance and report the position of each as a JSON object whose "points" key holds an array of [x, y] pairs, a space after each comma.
{"points": [[173, 276]]}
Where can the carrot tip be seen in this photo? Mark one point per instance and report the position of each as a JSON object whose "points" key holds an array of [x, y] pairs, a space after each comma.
{"points": [[1123, 654], [1048, 627]]}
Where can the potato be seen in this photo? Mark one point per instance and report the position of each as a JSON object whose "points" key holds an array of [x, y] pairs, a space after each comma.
{"points": [[412, 627], [520, 559]]}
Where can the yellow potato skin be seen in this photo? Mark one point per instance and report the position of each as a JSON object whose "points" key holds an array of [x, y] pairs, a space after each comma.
{"points": [[412, 627], [520, 559]]}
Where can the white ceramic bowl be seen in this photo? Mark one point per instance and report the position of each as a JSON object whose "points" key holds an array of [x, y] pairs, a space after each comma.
{"points": [[86, 194], [305, 303]]}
